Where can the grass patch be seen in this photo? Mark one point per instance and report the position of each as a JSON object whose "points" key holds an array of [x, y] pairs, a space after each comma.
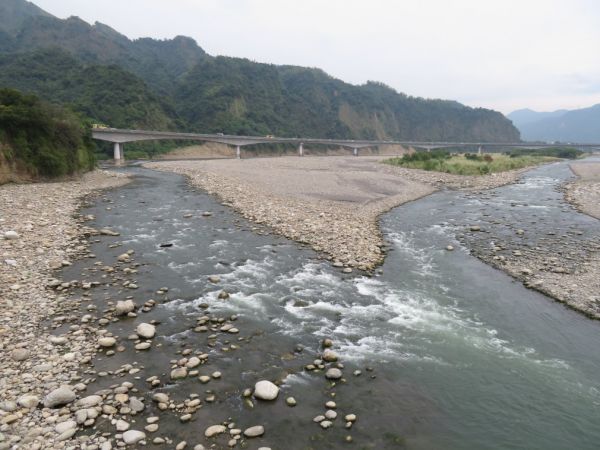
{"points": [[467, 164]]}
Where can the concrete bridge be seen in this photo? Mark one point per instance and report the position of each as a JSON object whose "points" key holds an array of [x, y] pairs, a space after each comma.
{"points": [[120, 137]]}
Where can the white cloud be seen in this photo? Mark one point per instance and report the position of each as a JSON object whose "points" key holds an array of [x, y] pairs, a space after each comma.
{"points": [[501, 54]]}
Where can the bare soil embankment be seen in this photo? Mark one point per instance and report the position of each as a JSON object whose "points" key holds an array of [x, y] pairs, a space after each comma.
{"points": [[330, 203]]}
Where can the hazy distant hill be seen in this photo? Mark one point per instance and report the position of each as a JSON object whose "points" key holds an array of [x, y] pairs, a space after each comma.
{"points": [[174, 83], [579, 125]]}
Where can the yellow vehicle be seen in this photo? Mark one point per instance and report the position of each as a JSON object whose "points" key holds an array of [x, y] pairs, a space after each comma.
{"points": [[99, 125]]}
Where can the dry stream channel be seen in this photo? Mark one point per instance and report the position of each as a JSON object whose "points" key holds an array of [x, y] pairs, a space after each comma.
{"points": [[452, 353]]}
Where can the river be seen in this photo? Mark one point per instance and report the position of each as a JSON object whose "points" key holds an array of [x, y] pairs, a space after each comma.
{"points": [[453, 354]]}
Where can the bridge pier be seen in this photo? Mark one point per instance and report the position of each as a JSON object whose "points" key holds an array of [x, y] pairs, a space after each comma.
{"points": [[238, 153], [355, 152], [118, 152], [301, 149]]}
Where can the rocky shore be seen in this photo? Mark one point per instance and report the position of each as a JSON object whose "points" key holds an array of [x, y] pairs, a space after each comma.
{"points": [[38, 234], [584, 193], [331, 204]]}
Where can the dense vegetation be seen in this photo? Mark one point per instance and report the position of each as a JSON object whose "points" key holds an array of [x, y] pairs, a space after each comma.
{"points": [[41, 140], [556, 152], [467, 163], [174, 84]]}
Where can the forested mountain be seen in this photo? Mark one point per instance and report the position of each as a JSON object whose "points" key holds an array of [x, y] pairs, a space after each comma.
{"points": [[40, 140], [108, 94], [578, 125], [174, 84]]}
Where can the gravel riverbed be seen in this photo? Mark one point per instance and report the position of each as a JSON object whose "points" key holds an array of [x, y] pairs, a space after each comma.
{"points": [[40, 233], [332, 204], [584, 193]]}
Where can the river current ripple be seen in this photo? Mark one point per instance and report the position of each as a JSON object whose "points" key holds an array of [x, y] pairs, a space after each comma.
{"points": [[463, 356]]}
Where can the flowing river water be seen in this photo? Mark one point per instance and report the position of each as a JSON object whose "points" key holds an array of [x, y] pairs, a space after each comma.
{"points": [[453, 354]]}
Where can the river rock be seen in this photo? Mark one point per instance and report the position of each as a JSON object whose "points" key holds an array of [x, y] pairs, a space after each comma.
{"points": [[329, 355], [136, 405], [192, 362], [255, 431], [146, 330], [133, 436], [28, 401], [124, 257], [8, 406], [58, 397], [89, 401], [20, 354], [265, 390], [160, 397], [333, 373], [107, 341], [11, 235], [326, 424], [121, 425], [213, 430], [64, 426], [124, 307], [178, 373]]}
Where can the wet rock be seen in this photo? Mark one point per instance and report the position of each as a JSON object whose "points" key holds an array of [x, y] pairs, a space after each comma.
{"points": [[108, 232], [178, 373], [254, 431], [124, 307], [326, 424], [58, 397], [329, 356], [160, 397], [136, 405], [333, 373], [146, 330], [214, 278], [214, 430], [265, 390], [290, 401], [133, 436], [330, 414], [125, 257], [107, 342], [121, 425], [192, 362]]}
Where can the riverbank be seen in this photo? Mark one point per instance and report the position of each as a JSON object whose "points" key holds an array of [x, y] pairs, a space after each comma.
{"points": [[584, 193], [41, 234], [331, 204]]}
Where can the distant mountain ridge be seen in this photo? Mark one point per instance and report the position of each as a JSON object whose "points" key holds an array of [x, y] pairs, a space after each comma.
{"points": [[146, 83], [579, 125]]}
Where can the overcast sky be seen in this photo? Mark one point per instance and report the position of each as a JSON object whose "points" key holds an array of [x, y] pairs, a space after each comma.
{"points": [[505, 54]]}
